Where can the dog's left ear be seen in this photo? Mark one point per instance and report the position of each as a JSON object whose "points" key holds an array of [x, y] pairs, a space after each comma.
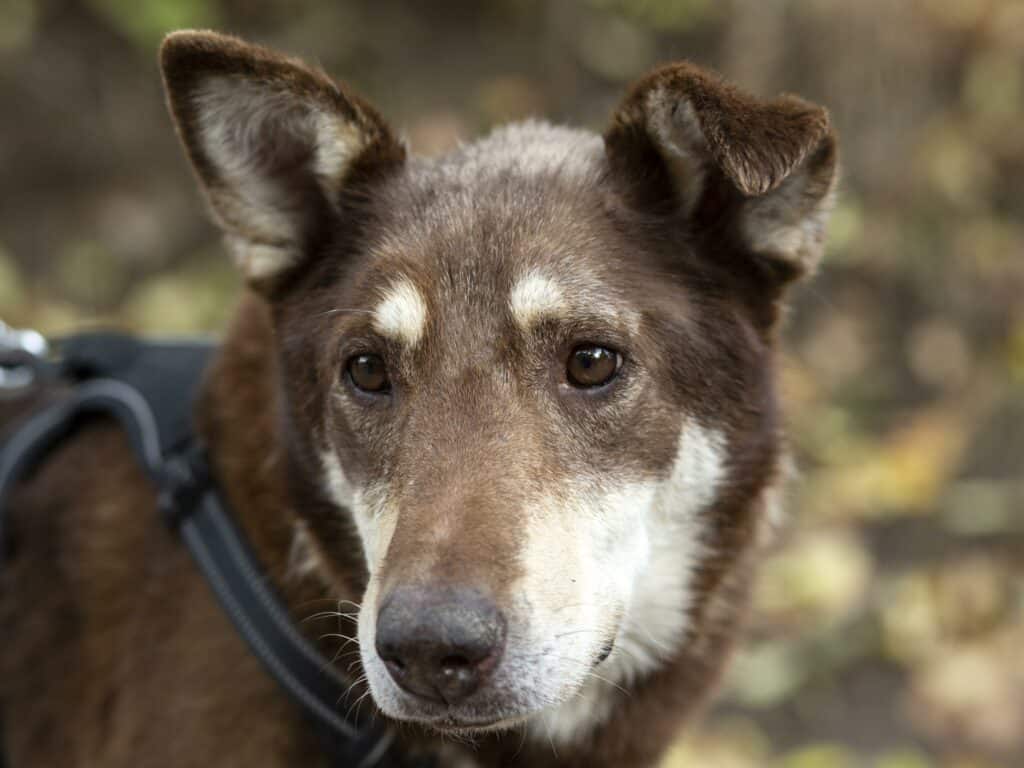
{"points": [[687, 144], [276, 145]]}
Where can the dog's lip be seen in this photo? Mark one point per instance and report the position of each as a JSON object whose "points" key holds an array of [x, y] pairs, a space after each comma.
{"points": [[452, 721], [452, 724], [605, 652]]}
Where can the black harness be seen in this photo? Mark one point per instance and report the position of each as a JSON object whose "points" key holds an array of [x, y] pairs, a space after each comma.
{"points": [[149, 389]]}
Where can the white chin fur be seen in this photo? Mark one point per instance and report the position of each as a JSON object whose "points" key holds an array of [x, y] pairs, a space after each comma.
{"points": [[655, 586]]}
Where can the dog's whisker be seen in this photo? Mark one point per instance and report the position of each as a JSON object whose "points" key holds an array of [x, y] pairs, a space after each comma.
{"points": [[348, 691], [610, 682], [579, 632], [551, 741], [589, 672], [355, 705], [320, 615], [307, 603], [339, 636], [654, 641], [342, 653], [344, 310]]}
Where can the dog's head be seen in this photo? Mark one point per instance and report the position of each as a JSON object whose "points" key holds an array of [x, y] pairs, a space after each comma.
{"points": [[535, 373]]}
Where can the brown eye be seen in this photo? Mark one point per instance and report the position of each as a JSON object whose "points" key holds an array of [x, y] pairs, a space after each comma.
{"points": [[368, 373], [592, 366]]}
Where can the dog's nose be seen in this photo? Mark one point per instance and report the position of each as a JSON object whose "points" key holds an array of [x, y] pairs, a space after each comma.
{"points": [[439, 643]]}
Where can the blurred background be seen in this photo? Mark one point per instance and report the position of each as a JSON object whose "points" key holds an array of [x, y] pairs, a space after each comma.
{"points": [[888, 628]]}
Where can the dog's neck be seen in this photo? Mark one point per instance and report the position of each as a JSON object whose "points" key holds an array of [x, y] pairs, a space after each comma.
{"points": [[238, 419], [613, 723]]}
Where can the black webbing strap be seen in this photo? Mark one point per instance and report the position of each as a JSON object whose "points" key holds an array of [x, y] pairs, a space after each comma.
{"points": [[231, 570], [190, 503], [30, 443]]}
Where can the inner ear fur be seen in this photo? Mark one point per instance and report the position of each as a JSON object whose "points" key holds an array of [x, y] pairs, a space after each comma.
{"points": [[275, 144], [683, 139]]}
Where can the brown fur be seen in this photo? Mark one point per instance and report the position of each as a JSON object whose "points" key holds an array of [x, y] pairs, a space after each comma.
{"points": [[120, 657]]}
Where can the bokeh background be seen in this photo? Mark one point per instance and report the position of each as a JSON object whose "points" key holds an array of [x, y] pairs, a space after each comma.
{"points": [[888, 627]]}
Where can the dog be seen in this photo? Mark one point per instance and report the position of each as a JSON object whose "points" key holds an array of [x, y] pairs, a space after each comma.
{"points": [[510, 413]]}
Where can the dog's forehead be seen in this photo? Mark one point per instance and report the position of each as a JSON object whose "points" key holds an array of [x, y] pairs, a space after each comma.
{"points": [[530, 148], [511, 222]]}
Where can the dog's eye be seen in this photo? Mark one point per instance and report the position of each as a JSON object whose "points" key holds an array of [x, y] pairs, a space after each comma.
{"points": [[368, 373], [592, 366]]}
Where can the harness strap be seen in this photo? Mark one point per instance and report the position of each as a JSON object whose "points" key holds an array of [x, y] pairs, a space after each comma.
{"points": [[231, 571], [27, 447], [191, 504]]}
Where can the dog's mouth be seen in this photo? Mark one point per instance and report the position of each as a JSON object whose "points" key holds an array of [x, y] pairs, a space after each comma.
{"points": [[459, 726], [500, 706], [462, 720], [606, 651], [454, 723]]}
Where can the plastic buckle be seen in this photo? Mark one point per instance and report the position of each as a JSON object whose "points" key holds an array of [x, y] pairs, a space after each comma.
{"points": [[20, 354], [183, 480]]}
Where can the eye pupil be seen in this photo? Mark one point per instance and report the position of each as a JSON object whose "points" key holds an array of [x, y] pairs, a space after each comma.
{"points": [[368, 373], [592, 366]]}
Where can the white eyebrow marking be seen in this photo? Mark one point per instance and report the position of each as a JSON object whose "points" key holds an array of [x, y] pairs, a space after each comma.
{"points": [[533, 296], [402, 313]]}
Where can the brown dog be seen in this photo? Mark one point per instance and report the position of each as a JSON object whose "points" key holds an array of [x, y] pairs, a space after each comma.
{"points": [[511, 412]]}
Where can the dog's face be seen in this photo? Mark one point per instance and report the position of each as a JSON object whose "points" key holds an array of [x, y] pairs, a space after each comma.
{"points": [[536, 374], [512, 409]]}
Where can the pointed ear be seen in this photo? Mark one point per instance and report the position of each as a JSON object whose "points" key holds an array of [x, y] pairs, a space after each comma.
{"points": [[688, 144], [275, 144]]}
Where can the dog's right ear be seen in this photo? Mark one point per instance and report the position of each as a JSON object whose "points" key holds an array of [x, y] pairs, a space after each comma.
{"points": [[275, 144]]}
